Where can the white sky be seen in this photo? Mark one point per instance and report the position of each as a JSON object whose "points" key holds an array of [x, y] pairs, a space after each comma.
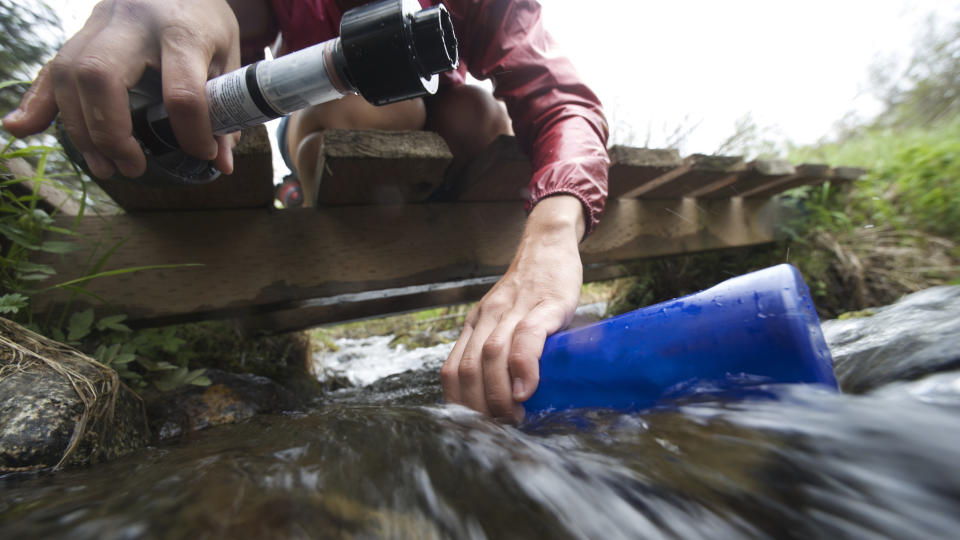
{"points": [[797, 67]]}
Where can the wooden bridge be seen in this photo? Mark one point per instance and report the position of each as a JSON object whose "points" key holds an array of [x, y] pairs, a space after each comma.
{"points": [[395, 235]]}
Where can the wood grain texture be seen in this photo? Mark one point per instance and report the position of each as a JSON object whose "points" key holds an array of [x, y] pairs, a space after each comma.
{"points": [[759, 173], [633, 168], [846, 174], [250, 185], [380, 167], [806, 174], [258, 261], [698, 171], [298, 315]]}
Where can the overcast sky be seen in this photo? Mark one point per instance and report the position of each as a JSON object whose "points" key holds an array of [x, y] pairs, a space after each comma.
{"points": [[795, 67]]}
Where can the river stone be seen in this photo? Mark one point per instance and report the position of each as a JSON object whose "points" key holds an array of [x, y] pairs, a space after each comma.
{"points": [[42, 410], [916, 336], [230, 397]]}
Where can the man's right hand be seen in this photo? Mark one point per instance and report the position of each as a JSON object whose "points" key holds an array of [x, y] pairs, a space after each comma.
{"points": [[187, 41]]}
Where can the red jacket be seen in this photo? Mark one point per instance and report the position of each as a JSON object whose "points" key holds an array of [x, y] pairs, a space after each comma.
{"points": [[558, 120]]}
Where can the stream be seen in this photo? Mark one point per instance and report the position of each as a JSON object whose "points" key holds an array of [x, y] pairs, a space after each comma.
{"points": [[387, 460]]}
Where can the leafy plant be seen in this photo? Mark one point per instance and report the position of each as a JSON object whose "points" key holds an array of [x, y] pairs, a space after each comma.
{"points": [[140, 358], [24, 230]]}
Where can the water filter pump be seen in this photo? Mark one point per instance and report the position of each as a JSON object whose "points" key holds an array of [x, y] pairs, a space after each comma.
{"points": [[388, 51]]}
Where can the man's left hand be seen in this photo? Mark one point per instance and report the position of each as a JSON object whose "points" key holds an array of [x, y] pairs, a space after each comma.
{"points": [[494, 366]]}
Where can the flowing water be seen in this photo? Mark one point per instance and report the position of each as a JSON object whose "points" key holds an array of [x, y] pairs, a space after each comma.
{"points": [[388, 461]]}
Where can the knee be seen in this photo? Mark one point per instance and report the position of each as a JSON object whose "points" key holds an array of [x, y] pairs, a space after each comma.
{"points": [[353, 112], [468, 118]]}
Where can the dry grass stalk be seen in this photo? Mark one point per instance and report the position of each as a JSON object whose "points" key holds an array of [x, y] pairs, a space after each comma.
{"points": [[21, 349], [879, 265]]}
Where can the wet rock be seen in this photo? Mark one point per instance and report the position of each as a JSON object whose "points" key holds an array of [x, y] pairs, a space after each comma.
{"points": [[60, 407], [412, 387], [914, 337], [419, 340], [231, 397]]}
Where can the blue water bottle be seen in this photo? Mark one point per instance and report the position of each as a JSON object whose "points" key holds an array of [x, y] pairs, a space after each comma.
{"points": [[753, 329]]}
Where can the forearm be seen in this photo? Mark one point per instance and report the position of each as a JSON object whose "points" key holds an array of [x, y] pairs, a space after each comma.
{"points": [[558, 120], [556, 217]]}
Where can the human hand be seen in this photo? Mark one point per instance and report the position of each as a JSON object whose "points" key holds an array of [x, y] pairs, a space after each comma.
{"points": [[494, 366], [88, 79]]}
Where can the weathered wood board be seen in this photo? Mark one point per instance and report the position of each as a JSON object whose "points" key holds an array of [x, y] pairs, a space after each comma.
{"points": [[380, 167], [759, 173], [806, 174], [250, 186], [393, 234], [258, 261], [698, 171], [633, 168]]}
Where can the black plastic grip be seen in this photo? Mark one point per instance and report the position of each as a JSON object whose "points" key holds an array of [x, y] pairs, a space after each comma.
{"points": [[392, 51]]}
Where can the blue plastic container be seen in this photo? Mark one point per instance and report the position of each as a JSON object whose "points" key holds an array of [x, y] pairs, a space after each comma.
{"points": [[753, 329]]}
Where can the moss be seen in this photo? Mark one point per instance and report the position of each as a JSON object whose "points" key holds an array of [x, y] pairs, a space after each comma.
{"points": [[417, 329], [417, 340], [285, 358], [859, 314]]}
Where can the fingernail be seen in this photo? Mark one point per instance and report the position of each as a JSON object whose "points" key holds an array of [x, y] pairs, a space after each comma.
{"points": [[128, 169], [13, 116], [519, 413], [518, 389], [98, 166]]}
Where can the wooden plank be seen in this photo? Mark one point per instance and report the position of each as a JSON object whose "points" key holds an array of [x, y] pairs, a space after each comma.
{"points": [[759, 173], [51, 200], [250, 185], [298, 315], [257, 261], [381, 167], [632, 168], [844, 175], [806, 174], [501, 173], [699, 170], [303, 314]]}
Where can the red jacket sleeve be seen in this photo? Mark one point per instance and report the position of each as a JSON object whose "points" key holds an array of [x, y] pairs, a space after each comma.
{"points": [[558, 120]]}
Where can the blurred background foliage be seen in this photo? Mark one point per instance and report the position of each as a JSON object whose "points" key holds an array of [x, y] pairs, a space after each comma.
{"points": [[29, 34], [894, 231]]}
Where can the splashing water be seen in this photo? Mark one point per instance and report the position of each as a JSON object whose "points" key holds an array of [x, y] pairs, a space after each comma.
{"points": [[368, 464]]}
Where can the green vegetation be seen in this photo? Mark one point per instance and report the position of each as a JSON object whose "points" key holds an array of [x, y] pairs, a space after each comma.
{"points": [[411, 330], [22, 48], [912, 181], [142, 358], [894, 231]]}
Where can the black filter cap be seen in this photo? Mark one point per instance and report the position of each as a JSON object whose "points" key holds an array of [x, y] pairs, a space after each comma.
{"points": [[432, 27], [393, 49]]}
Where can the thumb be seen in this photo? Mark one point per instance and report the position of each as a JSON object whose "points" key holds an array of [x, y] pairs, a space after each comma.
{"points": [[37, 109]]}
